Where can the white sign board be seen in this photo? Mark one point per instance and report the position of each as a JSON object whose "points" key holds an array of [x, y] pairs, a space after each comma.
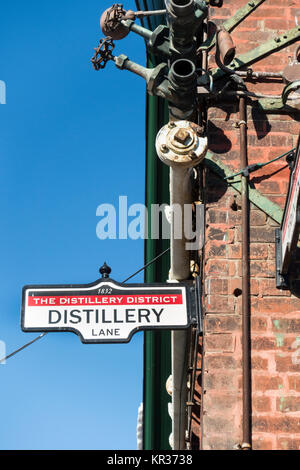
{"points": [[105, 311], [290, 224]]}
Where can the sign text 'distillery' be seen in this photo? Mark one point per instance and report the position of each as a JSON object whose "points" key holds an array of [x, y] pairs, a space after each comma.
{"points": [[112, 317]]}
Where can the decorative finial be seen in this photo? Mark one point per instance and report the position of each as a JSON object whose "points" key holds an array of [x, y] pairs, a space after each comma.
{"points": [[105, 270]]}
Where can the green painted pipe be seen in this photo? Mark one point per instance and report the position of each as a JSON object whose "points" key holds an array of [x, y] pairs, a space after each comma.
{"points": [[157, 345]]}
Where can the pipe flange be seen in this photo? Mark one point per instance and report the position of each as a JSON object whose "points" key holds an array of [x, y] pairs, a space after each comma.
{"points": [[181, 144]]}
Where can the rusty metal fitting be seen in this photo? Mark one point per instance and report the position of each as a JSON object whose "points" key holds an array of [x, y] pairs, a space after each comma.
{"points": [[225, 46], [120, 61], [246, 446], [110, 21], [103, 53], [291, 73], [180, 144]]}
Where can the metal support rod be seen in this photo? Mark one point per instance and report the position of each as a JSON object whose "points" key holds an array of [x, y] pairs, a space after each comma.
{"points": [[142, 14], [250, 74], [140, 30], [246, 360]]}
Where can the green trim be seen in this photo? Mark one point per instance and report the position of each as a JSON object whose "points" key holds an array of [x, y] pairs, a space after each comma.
{"points": [[262, 202], [157, 345]]}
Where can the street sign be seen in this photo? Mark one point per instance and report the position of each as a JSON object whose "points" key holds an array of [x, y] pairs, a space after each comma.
{"points": [[105, 311], [290, 222], [288, 235]]}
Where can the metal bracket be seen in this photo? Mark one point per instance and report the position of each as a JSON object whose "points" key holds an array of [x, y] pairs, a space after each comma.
{"points": [[281, 279], [232, 22], [196, 307], [215, 164], [250, 57]]}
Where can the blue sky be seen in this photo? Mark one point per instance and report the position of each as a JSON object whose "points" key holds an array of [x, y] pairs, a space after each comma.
{"points": [[71, 139]]}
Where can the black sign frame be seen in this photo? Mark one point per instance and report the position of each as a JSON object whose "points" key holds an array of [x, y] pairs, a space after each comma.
{"points": [[191, 305]]}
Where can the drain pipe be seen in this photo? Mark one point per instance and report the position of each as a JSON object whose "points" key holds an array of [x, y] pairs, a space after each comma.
{"points": [[181, 146], [246, 335]]}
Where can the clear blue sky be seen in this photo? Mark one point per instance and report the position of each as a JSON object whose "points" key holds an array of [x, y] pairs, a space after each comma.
{"points": [[71, 138]]}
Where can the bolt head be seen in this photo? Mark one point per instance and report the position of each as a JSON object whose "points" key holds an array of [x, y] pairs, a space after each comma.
{"points": [[182, 135], [164, 148], [193, 155]]}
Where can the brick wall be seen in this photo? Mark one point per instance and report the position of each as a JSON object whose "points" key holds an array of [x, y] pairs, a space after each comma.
{"points": [[275, 314]]}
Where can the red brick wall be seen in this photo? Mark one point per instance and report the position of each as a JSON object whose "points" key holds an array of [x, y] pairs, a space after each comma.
{"points": [[275, 314]]}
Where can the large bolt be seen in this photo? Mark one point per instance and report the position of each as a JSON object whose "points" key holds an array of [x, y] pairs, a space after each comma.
{"points": [[164, 148], [193, 155], [181, 136]]}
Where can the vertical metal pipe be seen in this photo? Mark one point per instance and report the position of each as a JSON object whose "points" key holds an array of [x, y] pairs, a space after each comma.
{"points": [[246, 444]]}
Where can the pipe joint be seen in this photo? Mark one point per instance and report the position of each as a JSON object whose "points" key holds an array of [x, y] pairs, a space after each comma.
{"points": [[183, 89], [181, 144], [153, 77], [184, 18]]}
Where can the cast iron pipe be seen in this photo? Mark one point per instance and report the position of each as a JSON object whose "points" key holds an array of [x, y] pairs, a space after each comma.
{"points": [[183, 87], [181, 156], [246, 335], [184, 18]]}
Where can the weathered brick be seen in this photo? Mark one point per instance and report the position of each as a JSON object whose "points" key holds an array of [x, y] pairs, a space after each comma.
{"points": [[288, 362], [219, 402], [219, 342], [222, 323], [268, 287], [259, 363], [218, 233], [261, 443], [221, 362], [257, 218], [215, 249], [275, 304], [221, 268], [261, 404], [261, 268], [264, 343], [219, 442], [234, 251], [264, 234], [276, 424], [216, 285], [288, 404], [294, 382], [286, 325], [274, 313], [288, 443], [267, 382], [259, 251], [258, 324], [220, 381], [214, 424], [217, 216], [219, 303]]}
